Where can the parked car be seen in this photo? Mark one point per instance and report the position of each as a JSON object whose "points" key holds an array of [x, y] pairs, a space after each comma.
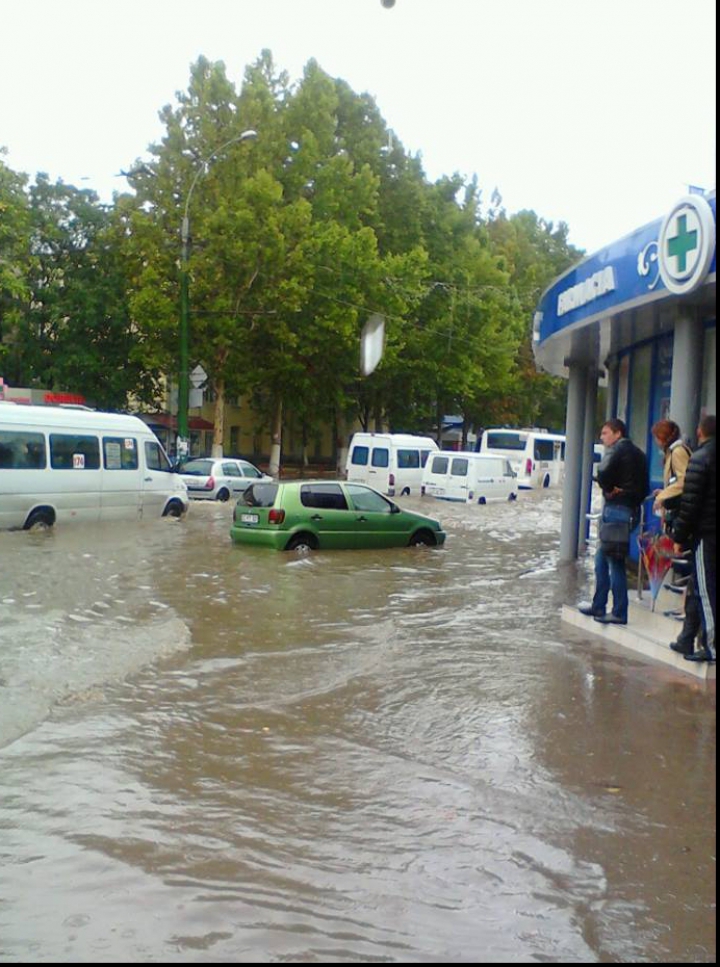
{"points": [[312, 515], [209, 479]]}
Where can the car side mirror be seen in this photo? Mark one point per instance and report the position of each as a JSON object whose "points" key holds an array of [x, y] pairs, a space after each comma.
{"points": [[394, 509]]}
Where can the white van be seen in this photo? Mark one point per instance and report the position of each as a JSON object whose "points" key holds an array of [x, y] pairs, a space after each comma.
{"points": [[392, 463], [537, 457], [60, 464], [469, 478]]}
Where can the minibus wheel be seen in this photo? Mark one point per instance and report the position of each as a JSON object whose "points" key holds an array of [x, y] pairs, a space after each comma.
{"points": [[39, 520], [546, 482], [174, 509]]}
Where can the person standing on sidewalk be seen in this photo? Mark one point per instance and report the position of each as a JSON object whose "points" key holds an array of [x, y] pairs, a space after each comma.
{"points": [[623, 478], [696, 527]]}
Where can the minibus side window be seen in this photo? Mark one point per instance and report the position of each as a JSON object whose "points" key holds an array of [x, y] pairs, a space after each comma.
{"points": [[155, 458], [440, 465], [424, 454], [22, 451], [380, 457], [360, 456], [120, 453], [408, 460], [460, 467], [505, 441], [71, 451]]}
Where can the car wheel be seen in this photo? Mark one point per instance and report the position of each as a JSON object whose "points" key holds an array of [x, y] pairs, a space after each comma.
{"points": [[482, 500], [423, 539], [302, 543], [546, 482], [39, 520], [405, 492], [512, 497], [223, 495]]}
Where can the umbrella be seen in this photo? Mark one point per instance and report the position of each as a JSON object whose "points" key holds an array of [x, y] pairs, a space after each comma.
{"points": [[657, 556]]}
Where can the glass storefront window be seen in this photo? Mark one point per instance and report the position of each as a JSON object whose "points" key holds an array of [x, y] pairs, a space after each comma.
{"points": [[639, 404], [708, 400]]}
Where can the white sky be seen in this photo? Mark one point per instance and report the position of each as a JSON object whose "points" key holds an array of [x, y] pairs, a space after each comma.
{"points": [[599, 113]]}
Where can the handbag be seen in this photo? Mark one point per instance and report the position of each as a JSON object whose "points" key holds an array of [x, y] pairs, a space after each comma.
{"points": [[615, 538]]}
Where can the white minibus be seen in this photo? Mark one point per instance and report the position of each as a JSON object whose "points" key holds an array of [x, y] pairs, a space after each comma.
{"points": [[537, 457], [60, 464], [469, 478], [392, 463]]}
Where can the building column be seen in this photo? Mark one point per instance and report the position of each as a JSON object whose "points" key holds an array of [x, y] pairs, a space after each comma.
{"points": [[574, 450], [613, 371], [588, 453], [687, 374]]}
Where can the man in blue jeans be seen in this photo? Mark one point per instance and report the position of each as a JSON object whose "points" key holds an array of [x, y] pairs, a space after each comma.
{"points": [[623, 478]]}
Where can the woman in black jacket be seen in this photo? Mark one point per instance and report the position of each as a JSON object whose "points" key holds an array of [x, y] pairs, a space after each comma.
{"points": [[696, 527]]}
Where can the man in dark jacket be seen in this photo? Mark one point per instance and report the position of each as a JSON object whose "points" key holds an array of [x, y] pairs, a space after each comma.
{"points": [[696, 526], [623, 478]]}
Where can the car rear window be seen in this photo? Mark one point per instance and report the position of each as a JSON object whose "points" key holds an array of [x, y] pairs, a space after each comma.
{"points": [[198, 468], [260, 495], [323, 496]]}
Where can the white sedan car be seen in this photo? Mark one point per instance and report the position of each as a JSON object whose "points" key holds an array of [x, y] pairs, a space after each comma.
{"points": [[209, 479]]}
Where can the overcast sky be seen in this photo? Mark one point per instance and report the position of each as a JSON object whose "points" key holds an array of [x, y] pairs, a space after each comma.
{"points": [[598, 113]]}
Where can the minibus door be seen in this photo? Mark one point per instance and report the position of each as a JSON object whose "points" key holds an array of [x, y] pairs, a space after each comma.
{"points": [[379, 470], [157, 480], [122, 487]]}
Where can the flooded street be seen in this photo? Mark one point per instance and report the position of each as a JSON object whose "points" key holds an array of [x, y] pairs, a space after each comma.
{"points": [[218, 754]]}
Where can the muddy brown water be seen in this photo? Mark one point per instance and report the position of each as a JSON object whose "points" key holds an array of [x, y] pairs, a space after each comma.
{"points": [[214, 754]]}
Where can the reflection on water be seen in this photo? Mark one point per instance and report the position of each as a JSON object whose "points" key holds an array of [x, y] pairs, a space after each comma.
{"points": [[217, 754]]}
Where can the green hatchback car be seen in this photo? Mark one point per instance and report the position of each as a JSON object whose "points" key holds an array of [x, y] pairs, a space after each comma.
{"points": [[311, 515]]}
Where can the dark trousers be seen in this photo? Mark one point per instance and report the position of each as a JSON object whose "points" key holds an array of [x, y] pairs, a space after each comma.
{"points": [[706, 578], [692, 622]]}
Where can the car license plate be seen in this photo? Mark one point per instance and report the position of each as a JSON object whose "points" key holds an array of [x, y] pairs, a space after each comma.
{"points": [[249, 519]]}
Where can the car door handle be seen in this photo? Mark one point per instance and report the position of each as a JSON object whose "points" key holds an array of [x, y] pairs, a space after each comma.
{"points": [[316, 517], [363, 518], [148, 480]]}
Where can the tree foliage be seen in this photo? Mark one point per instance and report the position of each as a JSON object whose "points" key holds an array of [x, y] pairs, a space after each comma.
{"points": [[296, 238]]}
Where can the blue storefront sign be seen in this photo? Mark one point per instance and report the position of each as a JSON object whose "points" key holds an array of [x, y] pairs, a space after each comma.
{"points": [[668, 256]]}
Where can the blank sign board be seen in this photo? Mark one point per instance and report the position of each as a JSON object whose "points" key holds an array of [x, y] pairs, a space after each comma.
{"points": [[372, 344]]}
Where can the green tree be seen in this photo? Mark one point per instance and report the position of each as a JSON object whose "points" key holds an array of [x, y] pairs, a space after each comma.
{"points": [[14, 265]]}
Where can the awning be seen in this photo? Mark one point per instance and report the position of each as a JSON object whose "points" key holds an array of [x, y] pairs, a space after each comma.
{"points": [[169, 422]]}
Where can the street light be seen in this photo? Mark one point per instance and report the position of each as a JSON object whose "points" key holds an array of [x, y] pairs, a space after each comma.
{"points": [[184, 380]]}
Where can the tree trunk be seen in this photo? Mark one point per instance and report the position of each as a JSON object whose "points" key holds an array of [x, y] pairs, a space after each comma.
{"points": [[219, 422], [465, 429], [378, 418], [440, 417], [276, 450], [305, 454], [341, 444]]}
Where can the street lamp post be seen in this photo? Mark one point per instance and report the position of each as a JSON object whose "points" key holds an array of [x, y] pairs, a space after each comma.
{"points": [[184, 374]]}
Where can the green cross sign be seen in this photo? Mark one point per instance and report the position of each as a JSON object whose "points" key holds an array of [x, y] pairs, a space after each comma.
{"points": [[683, 243]]}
